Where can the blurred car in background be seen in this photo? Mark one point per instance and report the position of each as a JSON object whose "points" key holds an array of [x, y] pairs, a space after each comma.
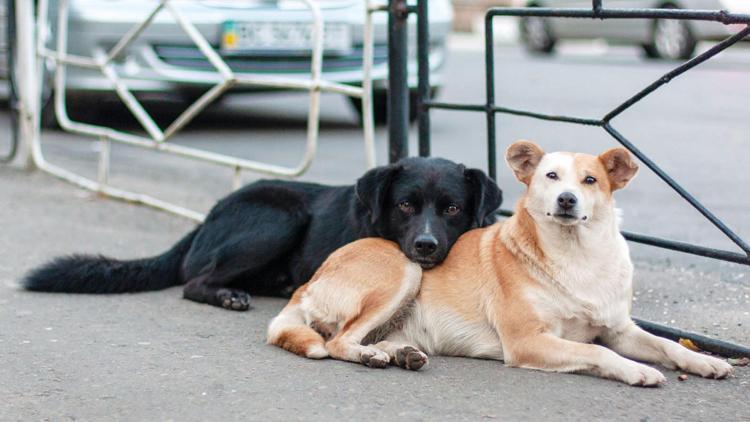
{"points": [[255, 37], [660, 38]]}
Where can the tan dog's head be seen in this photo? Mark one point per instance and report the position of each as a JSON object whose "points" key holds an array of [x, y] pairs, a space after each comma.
{"points": [[567, 188]]}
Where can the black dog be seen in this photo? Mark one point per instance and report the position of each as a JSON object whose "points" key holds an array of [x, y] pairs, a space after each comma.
{"points": [[270, 237]]}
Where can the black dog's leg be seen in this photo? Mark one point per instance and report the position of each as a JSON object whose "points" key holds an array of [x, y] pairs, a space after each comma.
{"points": [[236, 248], [228, 298]]}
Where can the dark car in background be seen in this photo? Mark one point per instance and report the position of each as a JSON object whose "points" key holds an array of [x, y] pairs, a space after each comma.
{"points": [[659, 38]]}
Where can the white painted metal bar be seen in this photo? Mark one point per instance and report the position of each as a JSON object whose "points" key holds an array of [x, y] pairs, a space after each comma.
{"points": [[104, 161], [30, 72], [368, 123], [69, 59], [199, 105], [377, 7], [102, 61], [316, 69], [237, 178], [27, 85], [127, 196], [289, 83], [122, 90], [205, 48], [133, 33]]}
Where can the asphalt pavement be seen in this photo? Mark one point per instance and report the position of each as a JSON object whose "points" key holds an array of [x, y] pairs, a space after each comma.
{"points": [[154, 356]]}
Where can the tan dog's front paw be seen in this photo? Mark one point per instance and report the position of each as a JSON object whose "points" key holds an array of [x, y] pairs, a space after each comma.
{"points": [[705, 366], [410, 358], [643, 376], [374, 358]]}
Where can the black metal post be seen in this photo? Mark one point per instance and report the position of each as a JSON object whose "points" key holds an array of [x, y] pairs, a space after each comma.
{"points": [[489, 58], [720, 347], [423, 63], [10, 36], [597, 6], [398, 84]]}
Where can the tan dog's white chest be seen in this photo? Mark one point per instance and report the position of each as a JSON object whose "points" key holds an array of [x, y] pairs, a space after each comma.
{"points": [[584, 290]]}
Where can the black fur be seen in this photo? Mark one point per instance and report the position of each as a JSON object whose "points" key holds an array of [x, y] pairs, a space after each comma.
{"points": [[100, 274], [270, 237]]}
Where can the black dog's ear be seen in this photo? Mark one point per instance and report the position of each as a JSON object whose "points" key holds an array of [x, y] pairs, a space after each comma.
{"points": [[487, 196], [372, 187]]}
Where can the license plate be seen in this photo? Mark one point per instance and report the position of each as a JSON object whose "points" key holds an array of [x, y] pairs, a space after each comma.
{"points": [[282, 38]]}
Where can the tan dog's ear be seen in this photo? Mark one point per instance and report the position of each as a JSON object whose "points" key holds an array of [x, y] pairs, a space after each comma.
{"points": [[620, 167], [523, 157]]}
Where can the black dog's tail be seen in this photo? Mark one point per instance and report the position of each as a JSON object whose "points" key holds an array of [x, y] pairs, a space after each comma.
{"points": [[99, 274]]}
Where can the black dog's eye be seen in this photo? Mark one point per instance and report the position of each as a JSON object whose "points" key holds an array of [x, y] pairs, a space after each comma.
{"points": [[452, 209], [552, 175], [589, 180], [406, 207]]}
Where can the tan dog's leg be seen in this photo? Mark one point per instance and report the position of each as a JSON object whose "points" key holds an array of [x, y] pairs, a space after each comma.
{"points": [[402, 354], [549, 353], [289, 331], [347, 345], [633, 342], [376, 309]]}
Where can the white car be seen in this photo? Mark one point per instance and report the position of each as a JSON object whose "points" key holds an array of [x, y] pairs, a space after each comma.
{"points": [[660, 38], [253, 36]]}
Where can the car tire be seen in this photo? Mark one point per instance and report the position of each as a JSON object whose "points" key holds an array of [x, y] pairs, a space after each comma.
{"points": [[536, 35], [48, 118], [88, 109], [672, 39], [649, 51], [380, 106]]}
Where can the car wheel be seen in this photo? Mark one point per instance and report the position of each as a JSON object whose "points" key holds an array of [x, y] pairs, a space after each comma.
{"points": [[536, 35], [48, 118], [650, 51], [88, 109], [672, 39], [380, 105]]}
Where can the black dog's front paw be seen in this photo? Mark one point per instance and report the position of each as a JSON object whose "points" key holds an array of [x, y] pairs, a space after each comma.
{"points": [[233, 299]]}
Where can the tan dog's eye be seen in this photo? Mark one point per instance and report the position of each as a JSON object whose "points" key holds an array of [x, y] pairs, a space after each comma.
{"points": [[589, 180], [406, 207], [552, 175], [452, 209]]}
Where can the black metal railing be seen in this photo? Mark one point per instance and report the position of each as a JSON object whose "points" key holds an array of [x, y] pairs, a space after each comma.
{"points": [[398, 114], [10, 37]]}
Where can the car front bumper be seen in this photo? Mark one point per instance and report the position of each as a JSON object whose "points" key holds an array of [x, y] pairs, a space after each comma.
{"points": [[163, 58]]}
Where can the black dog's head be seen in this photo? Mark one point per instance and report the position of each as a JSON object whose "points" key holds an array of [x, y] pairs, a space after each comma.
{"points": [[425, 204]]}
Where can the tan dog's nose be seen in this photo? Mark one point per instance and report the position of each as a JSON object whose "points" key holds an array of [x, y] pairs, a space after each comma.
{"points": [[567, 200]]}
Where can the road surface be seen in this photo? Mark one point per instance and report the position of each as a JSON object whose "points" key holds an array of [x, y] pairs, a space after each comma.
{"points": [[155, 356]]}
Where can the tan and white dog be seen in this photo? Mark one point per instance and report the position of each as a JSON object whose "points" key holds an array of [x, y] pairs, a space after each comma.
{"points": [[534, 290]]}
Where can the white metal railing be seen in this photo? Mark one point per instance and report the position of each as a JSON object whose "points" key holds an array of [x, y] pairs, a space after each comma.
{"points": [[32, 52]]}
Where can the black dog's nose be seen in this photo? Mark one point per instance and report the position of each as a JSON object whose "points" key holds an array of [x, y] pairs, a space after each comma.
{"points": [[425, 244], [567, 200]]}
